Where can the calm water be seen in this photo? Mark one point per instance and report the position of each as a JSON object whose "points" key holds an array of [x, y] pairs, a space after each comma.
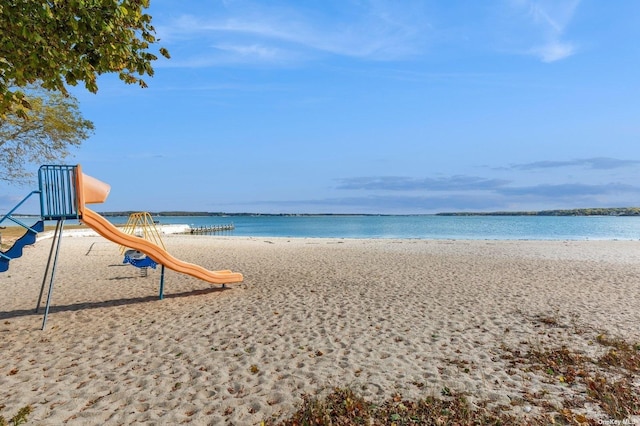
{"points": [[422, 227]]}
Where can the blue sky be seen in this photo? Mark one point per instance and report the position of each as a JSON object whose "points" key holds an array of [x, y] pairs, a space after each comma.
{"points": [[374, 106]]}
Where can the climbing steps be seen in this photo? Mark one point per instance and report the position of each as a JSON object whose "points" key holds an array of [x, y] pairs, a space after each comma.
{"points": [[16, 250]]}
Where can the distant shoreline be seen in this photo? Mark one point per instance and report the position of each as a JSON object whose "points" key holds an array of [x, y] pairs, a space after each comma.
{"points": [[612, 211], [598, 211]]}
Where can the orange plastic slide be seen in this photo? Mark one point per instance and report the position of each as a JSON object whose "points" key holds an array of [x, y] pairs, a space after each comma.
{"points": [[105, 228], [91, 190]]}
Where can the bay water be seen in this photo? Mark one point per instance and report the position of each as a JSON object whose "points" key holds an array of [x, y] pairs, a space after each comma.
{"points": [[419, 226]]}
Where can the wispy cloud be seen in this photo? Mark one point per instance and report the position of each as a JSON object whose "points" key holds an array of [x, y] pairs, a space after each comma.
{"points": [[373, 30], [461, 192], [433, 203], [547, 21], [395, 203], [477, 185], [553, 51], [252, 50], [596, 163], [284, 33], [398, 183], [570, 190]]}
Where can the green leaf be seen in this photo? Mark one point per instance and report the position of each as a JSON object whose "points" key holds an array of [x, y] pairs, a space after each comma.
{"points": [[75, 40]]}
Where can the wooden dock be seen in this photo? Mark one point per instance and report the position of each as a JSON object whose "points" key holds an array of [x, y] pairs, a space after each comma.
{"points": [[211, 229]]}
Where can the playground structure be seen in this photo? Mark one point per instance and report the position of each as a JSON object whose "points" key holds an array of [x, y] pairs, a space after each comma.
{"points": [[142, 225], [64, 192]]}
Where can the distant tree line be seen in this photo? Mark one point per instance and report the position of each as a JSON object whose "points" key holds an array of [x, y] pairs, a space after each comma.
{"points": [[597, 211], [168, 213], [183, 213]]}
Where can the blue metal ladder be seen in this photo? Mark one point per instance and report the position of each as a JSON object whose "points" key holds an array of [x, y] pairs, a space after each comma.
{"points": [[58, 202], [28, 238]]}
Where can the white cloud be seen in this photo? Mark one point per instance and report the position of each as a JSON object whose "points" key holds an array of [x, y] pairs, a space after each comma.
{"points": [[552, 15], [286, 32], [553, 51], [544, 26], [373, 30], [253, 50]]}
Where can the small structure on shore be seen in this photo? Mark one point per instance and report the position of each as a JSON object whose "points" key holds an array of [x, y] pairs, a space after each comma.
{"points": [[210, 229]]}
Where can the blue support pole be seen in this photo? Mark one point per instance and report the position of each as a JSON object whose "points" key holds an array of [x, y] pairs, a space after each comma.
{"points": [[162, 282], [56, 235], [53, 273]]}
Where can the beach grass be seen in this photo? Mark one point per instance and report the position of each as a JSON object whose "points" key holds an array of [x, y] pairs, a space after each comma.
{"points": [[608, 381], [18, 419]]}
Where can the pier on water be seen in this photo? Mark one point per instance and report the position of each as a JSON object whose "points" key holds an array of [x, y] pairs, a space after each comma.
{"points": [[211, 229]]}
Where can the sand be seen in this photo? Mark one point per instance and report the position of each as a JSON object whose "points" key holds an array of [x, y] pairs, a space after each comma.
{"points": [[384, 317]]}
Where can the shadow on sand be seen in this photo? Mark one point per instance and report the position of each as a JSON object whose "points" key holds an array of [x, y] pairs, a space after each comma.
{"points": [[4, 315]]}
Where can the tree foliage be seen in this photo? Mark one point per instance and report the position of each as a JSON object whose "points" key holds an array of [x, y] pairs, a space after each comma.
{"points": [[59, 42], [53, 124]]}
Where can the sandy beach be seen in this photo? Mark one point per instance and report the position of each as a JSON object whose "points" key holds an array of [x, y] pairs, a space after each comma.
{"points": [[383, 317]]}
